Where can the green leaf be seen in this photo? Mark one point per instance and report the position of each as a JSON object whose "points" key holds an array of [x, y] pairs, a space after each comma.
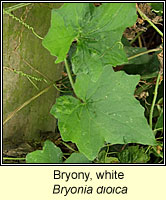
{"points": [[133, 154], [132, 51], [53, 154], [146, 65], [98, 33], [101, 38], [125, 41], [77, 158], [107, 112], [50, 154], [159, 124], [65, 27]]}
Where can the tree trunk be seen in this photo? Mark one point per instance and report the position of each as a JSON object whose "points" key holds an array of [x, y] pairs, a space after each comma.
{"points": [[27, 65]]}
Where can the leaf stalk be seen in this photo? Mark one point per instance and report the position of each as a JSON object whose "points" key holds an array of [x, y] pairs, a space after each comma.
{"points": [[154, 100], [149, 21], [69, 74]]}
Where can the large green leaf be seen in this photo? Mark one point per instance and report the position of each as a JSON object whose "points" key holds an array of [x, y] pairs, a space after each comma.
{"points": [[98, 33], [107, 112], [65, 27]]}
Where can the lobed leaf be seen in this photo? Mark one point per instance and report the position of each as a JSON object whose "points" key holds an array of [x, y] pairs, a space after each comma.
{"points": [[107, 112], [50, 154], [65, 27], [97, 30]]}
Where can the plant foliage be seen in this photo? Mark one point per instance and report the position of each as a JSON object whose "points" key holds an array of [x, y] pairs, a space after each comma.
{"points": [[53, 154], [101, 114], [98, 33], [133, 154], [104, 109], [109, 112], [49, 154]]}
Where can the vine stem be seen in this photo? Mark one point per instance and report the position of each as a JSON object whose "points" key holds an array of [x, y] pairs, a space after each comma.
{"points": [[69, 74], [149, 21], [154, 100]]}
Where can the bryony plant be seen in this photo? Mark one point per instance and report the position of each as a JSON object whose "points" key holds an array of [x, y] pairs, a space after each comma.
{"points": [[104, 109], [53, 154]]}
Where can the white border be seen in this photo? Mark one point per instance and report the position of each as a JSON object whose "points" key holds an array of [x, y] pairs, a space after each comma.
{"points": [[2, 84]]}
